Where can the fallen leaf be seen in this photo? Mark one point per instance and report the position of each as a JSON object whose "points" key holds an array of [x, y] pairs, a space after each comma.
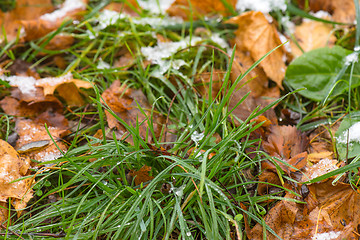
{"points": [[311, 35], [142, 175], [30, 132], [335, 209], [342, 11], [199, 8], [123, 102], [15, 107], [51, 21], [285, 142], [256, 36], [50, 84], [24, 10], [12, 168], [202, 83]]}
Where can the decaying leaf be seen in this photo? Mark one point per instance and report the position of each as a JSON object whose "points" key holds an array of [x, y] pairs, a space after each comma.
{"points": [[255, 36], [311, 35], [123, 100], [13, 167], [182, 9]]}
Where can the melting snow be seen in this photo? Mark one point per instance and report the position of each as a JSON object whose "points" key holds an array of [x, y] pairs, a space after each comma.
{"points": [[264, 6], [352, 58], [163, 50], [196, 137], [103, 65], [326, 235], [67, 7], [354, 134], [26, 85]]}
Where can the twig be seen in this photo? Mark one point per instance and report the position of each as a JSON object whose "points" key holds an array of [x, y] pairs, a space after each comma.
{"points": [[11, 232]]}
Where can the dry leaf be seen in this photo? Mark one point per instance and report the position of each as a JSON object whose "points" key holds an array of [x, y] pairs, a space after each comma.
{"points": [[335, 209], [202, 83], [30, 131], [24, 10], [123, 102], [12, 106], [142, 175], [342, 11], [257, 36], [311, 35], [51, 21], [198, 8], [13, 167]]}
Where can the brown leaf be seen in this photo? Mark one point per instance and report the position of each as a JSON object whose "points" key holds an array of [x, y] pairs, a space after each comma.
{"points": [[50, 84], [336, 210], [257, 36], [51, 21], [285, 142], [202, 83], [198, 8], [142, 175], [12, 168], [12, 106], [24, 10], [342, 11], [122, 101], [311, 35], [29, 132]]}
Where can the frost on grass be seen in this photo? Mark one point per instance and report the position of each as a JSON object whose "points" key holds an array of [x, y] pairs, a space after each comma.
{"points": [[350, 135], [103, 65], [326, 235], [352, 58], [67, 7], [196, 137], [264, 6]]}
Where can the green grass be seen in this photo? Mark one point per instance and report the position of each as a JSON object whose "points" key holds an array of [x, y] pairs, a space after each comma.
{"points": [[97, 200]]}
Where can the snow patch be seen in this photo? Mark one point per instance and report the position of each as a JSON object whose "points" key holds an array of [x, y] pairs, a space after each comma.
{"points": [[196, 137], [354, 134], [164, 50], [26, 85], [352, 58], [67, 7], [264, 6], [103, 65], [326, 235]]}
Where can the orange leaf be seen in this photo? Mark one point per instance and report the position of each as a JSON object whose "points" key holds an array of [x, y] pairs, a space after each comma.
{"points": [[142, 175], [257, 36]]}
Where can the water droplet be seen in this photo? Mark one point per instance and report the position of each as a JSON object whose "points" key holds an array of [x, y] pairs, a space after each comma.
{"points": [[188, 234]]}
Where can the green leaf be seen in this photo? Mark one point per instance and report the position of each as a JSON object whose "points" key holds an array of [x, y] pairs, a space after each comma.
{"points": [[318, 71], [353, 146]]}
